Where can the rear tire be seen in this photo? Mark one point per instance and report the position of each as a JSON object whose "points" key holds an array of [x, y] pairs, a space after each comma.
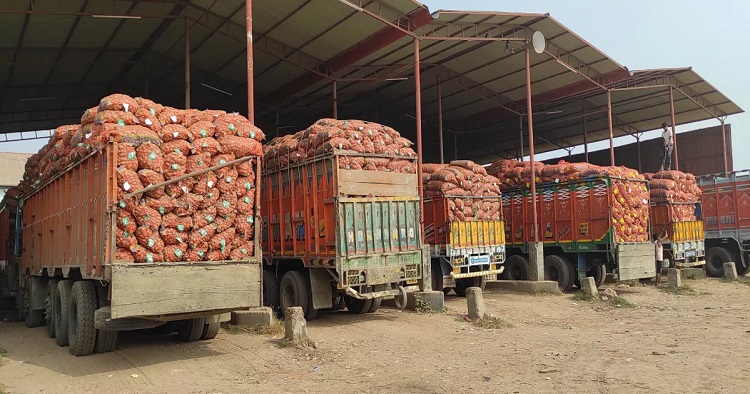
{"points": [[463, 284], [50, 312], [375, 305], [599, 273], [438, 282], [81, 307], [294, 291], [742, 268], [165, 329], [270, 290], [715, 259], [106, 341], [211, 328], [516, 268], [192, 329], [356, 305], [557, 268], [61, 312], [34, 318]]}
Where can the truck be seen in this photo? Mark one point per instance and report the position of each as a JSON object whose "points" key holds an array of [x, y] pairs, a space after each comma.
{"points": [[68, 275], [581, 233], [334, 236], [725, 206], [684, 245], [463, 253]]}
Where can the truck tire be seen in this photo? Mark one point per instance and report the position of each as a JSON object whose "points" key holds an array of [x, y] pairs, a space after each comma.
{"points": [[375, 305], [81, 307], [105, 340], [34, 318], [270, 290], [191, 329], [556, 268], [49, 314], [715, 259], [599, 273], [463, 284], [165, 329], [211, 328], [438, 281], [61, 312], [742, 267], [400, 299], [294, 291], [356, 305], [516, 268]]}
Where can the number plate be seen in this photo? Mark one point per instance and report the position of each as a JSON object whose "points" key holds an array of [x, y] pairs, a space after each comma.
{"points": [[479, 260]]}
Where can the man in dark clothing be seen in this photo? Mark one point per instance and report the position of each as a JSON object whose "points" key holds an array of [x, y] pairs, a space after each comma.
{"points": [[666, 157]]}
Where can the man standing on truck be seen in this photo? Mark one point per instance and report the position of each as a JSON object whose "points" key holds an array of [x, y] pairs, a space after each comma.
{"points": [[659, 246], [666, 157]]}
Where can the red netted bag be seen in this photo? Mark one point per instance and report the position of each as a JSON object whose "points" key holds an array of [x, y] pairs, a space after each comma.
{"points": [[128, 180], [179, 188], [177, 146], [172, 236], [144, 255], [151, 177], [242, 253], [170, 115], [171, 132], [222, 241], [201, 235], [180, 223], [225, 222], [197, 162], [204, 217], [125, 239], [163, 204], [207, 144], [236, 124], [150, 157], [149, 238], [120, 118], [147, 217], [118, 102], [240, 146], [132, 135], [226, 204], [204, 183], [245, 204], [126, 157], [227, 183], [202, 129], [175, 252], [147, 118], [222, 159], [188, 204], [124, 255], [245, 225], [174, 165], [88, 116], [246, 168]]}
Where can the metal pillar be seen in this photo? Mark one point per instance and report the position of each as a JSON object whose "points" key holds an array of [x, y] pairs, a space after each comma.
{"points": [[250, 80], [440, 120], [534, 229], [724, 146], [455, 146], [585, 138], [611, 133], [638, 148], [187, 64], [418, 102], [674, 130], [335, 101], [520, 138]]}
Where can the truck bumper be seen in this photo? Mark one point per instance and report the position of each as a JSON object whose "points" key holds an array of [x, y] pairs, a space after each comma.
{"points": [[477, 273], [683, 264]]}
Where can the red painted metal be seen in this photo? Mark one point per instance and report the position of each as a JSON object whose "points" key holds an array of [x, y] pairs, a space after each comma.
{"points": [[611, 135], [534, 226], [585, 138], [440, 120], [418, 115], [335, 101], [187, 64], [356, 52], [674, 131], [724, 146], [250, 76]]}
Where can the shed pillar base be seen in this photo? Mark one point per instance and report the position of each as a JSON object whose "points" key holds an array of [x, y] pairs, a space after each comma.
{"points": [[536, 261]]}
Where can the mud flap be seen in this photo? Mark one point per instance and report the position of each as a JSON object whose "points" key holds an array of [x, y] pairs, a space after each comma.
{"points": [[425, 284], [320, 287]]}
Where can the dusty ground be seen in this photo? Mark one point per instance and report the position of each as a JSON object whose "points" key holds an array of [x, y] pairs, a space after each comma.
{"points": [[667, 343]]}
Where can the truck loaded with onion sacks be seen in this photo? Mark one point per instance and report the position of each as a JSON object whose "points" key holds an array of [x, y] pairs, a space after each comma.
{"points": [[341, 218], [141, 216], [591, 220]]}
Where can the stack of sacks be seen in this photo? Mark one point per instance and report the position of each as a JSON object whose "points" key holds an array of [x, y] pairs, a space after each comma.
{"points": [[208, 217], [678, 188], [458, 181], [350, 138], [630, 198]]}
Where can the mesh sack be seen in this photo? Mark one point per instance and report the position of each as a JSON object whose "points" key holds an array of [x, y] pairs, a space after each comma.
{"points": [[208, 144], [227, 183], [132, 135], [222, 241], [126, 157], [225, 222], [169, 115], [147, 118], [226, 203], [240, 146], [174, 252], [236, 124], [199, 236], [89, 115], [244, 186], [242, 252], [245, 204], [146, 216], [177, 146], [202, 129], [188, 204], [174, 165], [118, 102], [120, 118], [124, 255], [150, 157], [197, 162], [179, 223], [246, 168], [222, 159], [197, 252], [204, 217], [245, 225], [172, 132], [125, 239], [205, 182], [149, 238], [163, 204], [151, 177], [128, 180], [144, 255], [179, 188], [152, 106], [172, 236]]}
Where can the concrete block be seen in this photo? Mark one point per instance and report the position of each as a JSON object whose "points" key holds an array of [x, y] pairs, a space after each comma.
{"points": [[536, 261], [588, 285], [295, 325], [475, 302], [432, 299], [525, 286], [225, 317], [730, 271], [692, 273], [674, 278], [262, 316]]}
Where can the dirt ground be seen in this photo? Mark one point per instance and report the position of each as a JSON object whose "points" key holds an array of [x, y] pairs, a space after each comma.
{"points": [[665, 343]]}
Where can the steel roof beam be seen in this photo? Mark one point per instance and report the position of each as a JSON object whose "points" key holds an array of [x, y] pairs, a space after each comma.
{"points": [[478, 89], [15, 54]]}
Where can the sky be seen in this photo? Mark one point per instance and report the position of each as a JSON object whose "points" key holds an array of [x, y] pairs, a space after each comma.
{"points": [[710, 36]]}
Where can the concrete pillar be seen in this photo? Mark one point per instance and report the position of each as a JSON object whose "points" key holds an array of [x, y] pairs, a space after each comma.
{"points": [[588, 285], [674, 278], [730, 271], [475, 302], [262, 316], [434, 300], [536, 261], [295, 325]]}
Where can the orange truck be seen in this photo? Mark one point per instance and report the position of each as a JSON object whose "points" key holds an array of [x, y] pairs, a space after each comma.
{"points": [[463, 253], [334, 236], [684, 246], [67, 272]]}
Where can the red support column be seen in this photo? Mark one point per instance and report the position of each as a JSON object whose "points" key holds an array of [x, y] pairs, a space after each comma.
{"points": [[611, 133], [674, 130], [335, 101], [724, 146], [535, 231], [418, 88], [187, 64], [250, 80], [585, 138], [440, 120]]}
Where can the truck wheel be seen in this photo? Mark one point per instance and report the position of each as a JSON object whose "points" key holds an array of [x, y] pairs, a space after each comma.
{"points": [[211, 328], [49, 314], [164, 329], [742, 267], [61, 312], [34, 318], [715, 259], [81, 307], [400, 299], [516, 268], [375, 305], [437, 278], [105, 340], [556, 269], [270, 290], [294, 291], [463, 284], [356, 305], [192, 329], [599, 273]]}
